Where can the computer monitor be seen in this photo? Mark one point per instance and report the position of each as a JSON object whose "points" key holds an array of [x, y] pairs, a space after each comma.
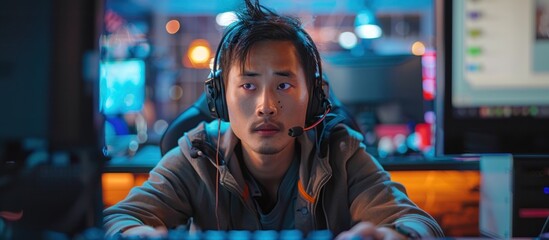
{"points": [[121, 86], [385, 95], [492, 77], [378, 80]]}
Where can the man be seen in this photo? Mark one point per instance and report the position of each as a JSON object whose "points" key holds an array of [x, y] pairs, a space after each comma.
{"points": [[250, 173]]}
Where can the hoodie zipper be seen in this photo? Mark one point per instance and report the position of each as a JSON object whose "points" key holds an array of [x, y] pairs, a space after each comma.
{"points": [[323, 182]]}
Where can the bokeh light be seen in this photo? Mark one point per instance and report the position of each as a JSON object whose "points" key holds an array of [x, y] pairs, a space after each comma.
{"points": [[172, 26], [225, 19], [347, 40], [418, 48]]}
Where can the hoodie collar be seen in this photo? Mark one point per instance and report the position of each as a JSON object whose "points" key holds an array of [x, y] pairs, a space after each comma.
{"points": [[309, 161]]}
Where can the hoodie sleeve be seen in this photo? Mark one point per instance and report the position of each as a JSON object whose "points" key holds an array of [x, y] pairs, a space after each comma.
{"points": [[163, 200], [372, 195], [376, 198]]}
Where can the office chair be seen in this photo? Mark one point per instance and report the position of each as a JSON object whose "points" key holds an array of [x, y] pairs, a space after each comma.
{"points": [[186, 121], [199, 112]]}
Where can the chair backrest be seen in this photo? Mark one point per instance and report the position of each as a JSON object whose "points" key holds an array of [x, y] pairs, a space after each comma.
{"points": [[199, 112], [186, 121]]}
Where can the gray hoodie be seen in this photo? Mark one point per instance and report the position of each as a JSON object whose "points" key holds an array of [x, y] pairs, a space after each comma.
{"points": [[338, 186]]}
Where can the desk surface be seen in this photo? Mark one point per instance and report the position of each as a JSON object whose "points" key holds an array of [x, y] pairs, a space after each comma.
{"points": [[147, 157]]}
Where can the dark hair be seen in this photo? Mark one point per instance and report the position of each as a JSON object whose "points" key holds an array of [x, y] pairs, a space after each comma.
{"points": [[257, 23]]}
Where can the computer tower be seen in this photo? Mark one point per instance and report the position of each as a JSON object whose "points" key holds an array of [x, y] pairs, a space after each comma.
{"points": [[514, 199]]}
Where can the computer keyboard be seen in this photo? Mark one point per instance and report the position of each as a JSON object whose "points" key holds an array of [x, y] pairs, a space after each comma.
{"points": [[238, 235]]}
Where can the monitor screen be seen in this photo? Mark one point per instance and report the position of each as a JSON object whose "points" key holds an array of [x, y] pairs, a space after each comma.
{"points": [[122, 86], [384, 93], [493, 77], [378, 80]]}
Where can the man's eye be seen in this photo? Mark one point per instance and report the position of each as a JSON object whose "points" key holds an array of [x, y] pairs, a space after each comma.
{"points": [[248, 86], [284, 86]]}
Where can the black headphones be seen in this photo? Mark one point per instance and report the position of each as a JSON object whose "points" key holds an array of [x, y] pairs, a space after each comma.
{"points": [[215, 88]]}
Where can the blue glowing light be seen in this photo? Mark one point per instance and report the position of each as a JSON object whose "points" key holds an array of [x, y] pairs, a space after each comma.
{"points": [[121, 86], [366, 25]]}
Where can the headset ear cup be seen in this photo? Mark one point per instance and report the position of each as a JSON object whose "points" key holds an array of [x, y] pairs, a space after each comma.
{"points": [[317, 101], [215, 95], [211, 95], [220, 101], [321, 101]]}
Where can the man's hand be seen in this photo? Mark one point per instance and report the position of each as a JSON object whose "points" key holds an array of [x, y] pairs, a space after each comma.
{"points": [[145, 231], [366, 230]]}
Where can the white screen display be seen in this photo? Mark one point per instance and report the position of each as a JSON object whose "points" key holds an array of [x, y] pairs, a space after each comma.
{"points": [[500, 53]]}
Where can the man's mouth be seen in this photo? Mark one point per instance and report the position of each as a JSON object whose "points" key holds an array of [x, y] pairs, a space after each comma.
{"points": [[267, 129]]}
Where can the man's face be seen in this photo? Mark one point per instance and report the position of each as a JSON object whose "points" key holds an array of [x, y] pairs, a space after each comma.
{"points": [[268, 97]]}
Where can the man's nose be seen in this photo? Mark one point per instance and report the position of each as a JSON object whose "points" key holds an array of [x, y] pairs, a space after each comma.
{"points": [[267, 104]]}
